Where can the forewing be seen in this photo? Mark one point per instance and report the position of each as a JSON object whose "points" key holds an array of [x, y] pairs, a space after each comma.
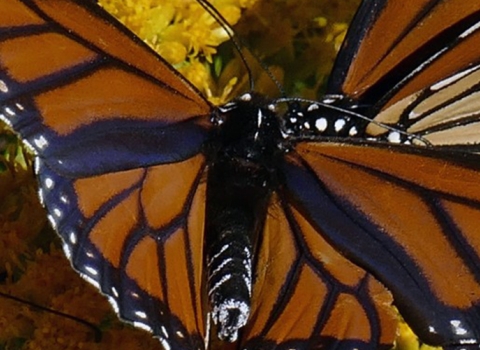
{"points": [[87, 95], [445, 114], [396, 48]]}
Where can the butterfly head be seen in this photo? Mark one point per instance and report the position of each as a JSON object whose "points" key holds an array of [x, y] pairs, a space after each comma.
{"points": [[249, 131]]}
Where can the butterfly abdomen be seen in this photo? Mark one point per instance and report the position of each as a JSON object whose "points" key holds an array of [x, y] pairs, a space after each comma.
{"points": [[240, 182]]}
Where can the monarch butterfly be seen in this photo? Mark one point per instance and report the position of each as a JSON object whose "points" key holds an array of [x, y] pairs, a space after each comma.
{"points": [[281, 225]]}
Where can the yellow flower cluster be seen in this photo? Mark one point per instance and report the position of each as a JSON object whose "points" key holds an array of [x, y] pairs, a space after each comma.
{"points": [[183, 33]]}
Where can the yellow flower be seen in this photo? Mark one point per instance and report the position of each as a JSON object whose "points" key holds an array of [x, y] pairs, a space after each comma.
{"points": [[406, 339], [337, 34], [183, 33]]}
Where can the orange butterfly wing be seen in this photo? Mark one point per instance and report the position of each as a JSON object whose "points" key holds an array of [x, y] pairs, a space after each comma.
{"points": [[415, 233], [79, 53], [414, 67], [100, 157], [308, 296], [405, 47], [123, 191]]}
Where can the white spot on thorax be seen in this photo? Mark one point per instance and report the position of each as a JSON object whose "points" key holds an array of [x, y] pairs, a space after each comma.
{"points": [[332, 99], [339, 124], [246, 97], [312, 107], [321, 124], [259, 118]]}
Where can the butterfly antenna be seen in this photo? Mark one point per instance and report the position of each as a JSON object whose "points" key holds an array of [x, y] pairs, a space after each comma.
{"points": [[96, 331], [239, 45]]}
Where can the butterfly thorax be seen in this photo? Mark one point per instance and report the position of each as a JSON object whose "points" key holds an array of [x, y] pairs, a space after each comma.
{"points": [[328, 118], [248, 131], [245, 149]]}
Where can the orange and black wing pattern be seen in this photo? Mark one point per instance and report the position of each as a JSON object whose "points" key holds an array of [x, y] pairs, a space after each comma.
{"points": [[399, 198], [412, 229], [380, 205], [308, 296], [397, 49], [124, 193]]}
